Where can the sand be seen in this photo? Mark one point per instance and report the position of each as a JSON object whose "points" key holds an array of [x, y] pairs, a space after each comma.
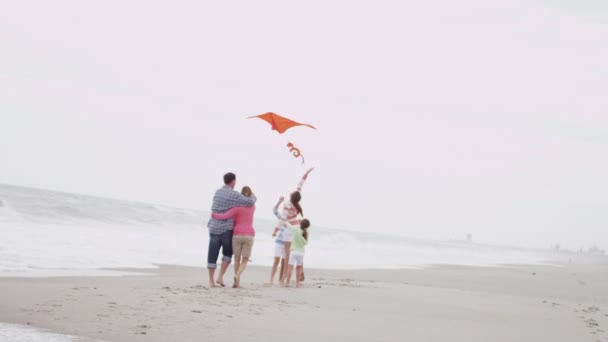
{"points": [[441, 303]]}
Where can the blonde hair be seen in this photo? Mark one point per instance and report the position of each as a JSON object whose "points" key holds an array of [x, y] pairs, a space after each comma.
{"points": [[246, 191]]}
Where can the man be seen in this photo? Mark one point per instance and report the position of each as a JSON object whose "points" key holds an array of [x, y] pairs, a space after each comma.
{"points": [[220, 232]]}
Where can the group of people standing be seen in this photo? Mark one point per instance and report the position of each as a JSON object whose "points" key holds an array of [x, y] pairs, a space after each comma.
{"points": [[231, 230]]}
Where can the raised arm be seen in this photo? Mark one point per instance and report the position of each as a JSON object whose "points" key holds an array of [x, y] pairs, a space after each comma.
{"points": [[301, 182], [227, 215], [275, 210]]}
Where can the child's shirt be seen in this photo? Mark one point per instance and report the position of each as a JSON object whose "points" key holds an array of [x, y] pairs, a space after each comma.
{"points": [[298, 242]]}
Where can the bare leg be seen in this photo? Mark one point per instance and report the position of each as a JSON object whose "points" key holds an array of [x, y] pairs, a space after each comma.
{"points": [[275, 265], [220, 278], [299, 270], [243, 264], [282, 271], [237, 263], [287, 248], [301, 276], [288, 276], [211, 273]]}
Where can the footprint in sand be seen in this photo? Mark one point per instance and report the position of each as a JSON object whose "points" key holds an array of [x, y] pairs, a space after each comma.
{"points": [[591, 309], [591, 323], [143, 327]]}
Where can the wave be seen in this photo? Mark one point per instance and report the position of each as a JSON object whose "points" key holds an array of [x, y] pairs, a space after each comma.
{"points": [[50, 233], [45, 206]]}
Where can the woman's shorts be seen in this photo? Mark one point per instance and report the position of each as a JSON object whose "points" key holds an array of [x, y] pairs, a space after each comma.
{"points": [[279, 250], [287, 235], [296, 258], [242, 245]]}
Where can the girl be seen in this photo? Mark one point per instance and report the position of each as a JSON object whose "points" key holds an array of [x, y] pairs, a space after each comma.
{"points": [[290, 213], [279, 246], [296, 258], [244, 233]]}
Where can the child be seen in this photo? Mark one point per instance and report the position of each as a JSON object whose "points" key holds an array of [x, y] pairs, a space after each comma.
{"points": [[296, 257], [279, 247]]}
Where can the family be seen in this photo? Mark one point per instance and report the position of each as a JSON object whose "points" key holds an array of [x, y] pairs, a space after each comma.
{"points": [[231, 230]]}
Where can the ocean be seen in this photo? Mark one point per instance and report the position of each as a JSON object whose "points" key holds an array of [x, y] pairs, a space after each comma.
{"points": [[47, 233]]}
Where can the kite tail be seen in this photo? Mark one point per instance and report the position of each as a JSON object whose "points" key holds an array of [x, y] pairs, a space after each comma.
{"points": [[295, 151]]}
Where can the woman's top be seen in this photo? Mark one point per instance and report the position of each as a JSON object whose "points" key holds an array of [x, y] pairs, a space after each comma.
{"points": [[243, 219]]}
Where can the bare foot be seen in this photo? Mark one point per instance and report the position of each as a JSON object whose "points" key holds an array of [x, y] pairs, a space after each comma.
{"points": [[235, 283], [220, 283]]}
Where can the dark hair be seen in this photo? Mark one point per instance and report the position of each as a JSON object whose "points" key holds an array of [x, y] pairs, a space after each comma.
{"points": [[229, 177], [295, 200], [304, 224]]}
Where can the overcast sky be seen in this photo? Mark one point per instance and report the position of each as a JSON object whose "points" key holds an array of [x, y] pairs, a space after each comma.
{"points": [[435, 119]]}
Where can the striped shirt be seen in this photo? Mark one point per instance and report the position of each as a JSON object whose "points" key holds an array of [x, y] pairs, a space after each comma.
{"points": [[224, 199], [289, 214]]}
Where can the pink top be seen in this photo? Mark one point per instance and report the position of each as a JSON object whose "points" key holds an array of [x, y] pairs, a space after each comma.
{"points": [[243, 219]]}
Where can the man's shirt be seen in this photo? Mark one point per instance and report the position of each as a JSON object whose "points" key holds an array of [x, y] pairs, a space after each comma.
{"points": [[224, 199]]}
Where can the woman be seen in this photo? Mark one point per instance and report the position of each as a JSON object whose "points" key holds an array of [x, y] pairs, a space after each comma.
{"points": [[289, 214], [243, 234]]}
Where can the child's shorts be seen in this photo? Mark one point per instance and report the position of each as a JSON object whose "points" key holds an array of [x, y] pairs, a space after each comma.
{"points": [[279, 250], [296, 258]]}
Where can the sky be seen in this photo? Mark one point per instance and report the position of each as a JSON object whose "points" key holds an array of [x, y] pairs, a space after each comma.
{"points": [[434, 119]]}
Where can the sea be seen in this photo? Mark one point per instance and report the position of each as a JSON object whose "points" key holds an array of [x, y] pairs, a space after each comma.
{"points": [[48, 233]]}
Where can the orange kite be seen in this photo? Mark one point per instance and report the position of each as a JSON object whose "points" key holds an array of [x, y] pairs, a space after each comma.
{"points": [[279, 123]]}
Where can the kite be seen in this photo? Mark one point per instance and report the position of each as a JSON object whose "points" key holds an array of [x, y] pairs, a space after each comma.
{"points": [[282, 124], [279, 123], [295, 151]]}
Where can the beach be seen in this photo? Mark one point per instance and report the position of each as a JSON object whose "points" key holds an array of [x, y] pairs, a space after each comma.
{"points": [[567, 302]]}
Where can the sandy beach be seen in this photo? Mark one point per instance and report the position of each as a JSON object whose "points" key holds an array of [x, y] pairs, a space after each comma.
{"points": [[442, 303]]}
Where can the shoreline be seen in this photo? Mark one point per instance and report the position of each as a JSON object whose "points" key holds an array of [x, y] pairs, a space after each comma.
{"points": [[456, 303]]}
